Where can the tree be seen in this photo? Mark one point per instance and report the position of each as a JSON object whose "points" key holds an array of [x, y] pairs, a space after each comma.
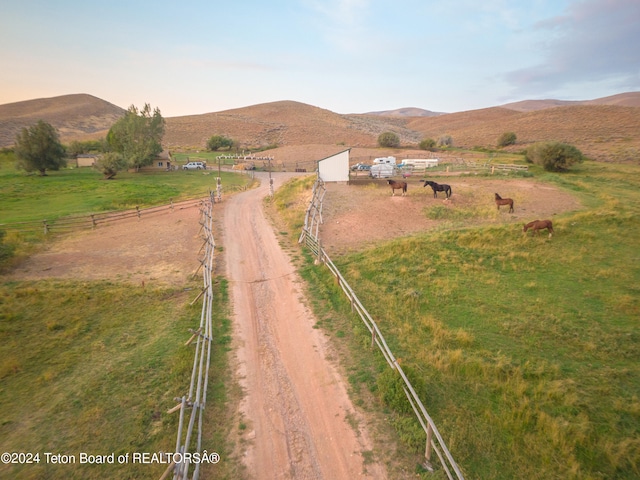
{"points": [[506, 139], [38, 148], [219, 141], [553, 156], [427, 144], [110, 164], [389, 139], [138, 136]]}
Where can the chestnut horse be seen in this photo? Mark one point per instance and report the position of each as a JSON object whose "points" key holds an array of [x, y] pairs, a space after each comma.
{"points": [[395, 185], [504, 201], [437, 187], [537, 225]]}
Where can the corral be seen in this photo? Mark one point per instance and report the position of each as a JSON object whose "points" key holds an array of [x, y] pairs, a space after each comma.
{"points": [[364, 212]]}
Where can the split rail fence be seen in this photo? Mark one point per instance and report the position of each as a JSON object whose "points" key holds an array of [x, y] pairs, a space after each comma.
{"points": [[188, 452], [79, 222], [434, 442], [68, 224]]}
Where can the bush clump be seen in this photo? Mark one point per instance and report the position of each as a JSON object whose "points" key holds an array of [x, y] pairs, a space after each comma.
{"points": [[506, 139], [217, 142], [553, 156], [389, 140], [445, 141], [427, 144]]}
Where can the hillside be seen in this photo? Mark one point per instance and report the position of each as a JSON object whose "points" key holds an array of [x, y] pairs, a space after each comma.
{"points": [[602, 132], [629, 99], [76, 117], [407, 112], [606, 129], [283, 123]]}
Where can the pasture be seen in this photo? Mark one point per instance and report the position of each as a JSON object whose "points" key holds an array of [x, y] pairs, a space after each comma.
{"points": [[76, 191], [92, 366], [524, 349]]}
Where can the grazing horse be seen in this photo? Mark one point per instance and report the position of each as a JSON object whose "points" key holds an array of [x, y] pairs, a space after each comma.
{"points": [[395, 185], [537, 225], [504, 201], [438, 188]]}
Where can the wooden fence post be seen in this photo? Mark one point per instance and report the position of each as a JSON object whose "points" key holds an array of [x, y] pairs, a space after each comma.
{"points": [[427, 451], [319, 260], [46, 227]]}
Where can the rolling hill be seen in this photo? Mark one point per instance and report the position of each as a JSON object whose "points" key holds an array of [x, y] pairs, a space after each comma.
{"points": [[606, 129], [78, 116]]}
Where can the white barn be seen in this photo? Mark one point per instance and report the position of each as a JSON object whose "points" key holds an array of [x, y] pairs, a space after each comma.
{"points": [[334, 168]]}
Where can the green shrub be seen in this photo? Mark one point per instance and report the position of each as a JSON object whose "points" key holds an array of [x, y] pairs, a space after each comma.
{"points": [[219, 141], [389, 140], [427, 144], [506, 139], [553, 156]]}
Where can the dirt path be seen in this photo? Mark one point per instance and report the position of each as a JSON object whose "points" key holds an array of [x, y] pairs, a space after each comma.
{"points": [[300, 419]]}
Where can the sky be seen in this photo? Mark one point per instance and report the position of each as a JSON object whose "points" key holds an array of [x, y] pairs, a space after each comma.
{"points": [[349, 56]]}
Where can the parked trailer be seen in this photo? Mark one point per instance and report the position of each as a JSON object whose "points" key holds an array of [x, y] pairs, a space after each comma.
{"points": [[419, 163], [385, 161], [382, 170]]}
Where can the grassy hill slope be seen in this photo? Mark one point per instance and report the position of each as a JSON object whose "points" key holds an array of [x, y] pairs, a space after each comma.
{"points": [[79, 116], [606, 129]]}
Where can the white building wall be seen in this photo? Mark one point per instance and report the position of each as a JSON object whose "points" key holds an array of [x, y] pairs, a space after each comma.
{"points": [[334, 168]]}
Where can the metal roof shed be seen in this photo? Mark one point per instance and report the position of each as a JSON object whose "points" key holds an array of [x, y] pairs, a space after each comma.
{"points": [[334, 168]]}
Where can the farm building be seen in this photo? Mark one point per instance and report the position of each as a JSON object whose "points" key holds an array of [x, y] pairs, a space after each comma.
{"points": [[161, 163], [334, 168], [86, 160]]}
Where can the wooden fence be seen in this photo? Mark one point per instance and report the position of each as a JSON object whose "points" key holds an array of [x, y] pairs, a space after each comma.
{"points": [[93, 220], [188, 452], [434, 442]]}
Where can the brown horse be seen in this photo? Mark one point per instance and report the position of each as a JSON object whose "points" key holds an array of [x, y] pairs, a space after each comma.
{"points": [[537, 225], [504, 201], [395, 185]]}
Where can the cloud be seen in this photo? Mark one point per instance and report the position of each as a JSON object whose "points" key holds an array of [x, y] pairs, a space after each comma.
{"points": [[594, 42]]}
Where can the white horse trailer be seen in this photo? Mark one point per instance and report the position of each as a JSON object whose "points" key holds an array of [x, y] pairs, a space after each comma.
{"points": [[382, 170], [385, 161], [420, 163]]}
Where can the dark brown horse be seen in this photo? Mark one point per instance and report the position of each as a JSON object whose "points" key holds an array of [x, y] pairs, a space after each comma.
{"points": [[538, 225], [395, 185], [504, 201], [437, 187]]}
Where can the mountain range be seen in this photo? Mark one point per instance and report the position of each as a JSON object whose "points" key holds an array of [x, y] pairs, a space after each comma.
{"points": [[606, 129]]}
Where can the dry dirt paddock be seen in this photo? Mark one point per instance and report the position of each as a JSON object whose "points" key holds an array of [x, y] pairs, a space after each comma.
{"points": [[358, 215], [163, 248]]}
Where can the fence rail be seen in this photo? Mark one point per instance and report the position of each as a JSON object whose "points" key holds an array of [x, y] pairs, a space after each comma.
{"points": [[93, 220], [434, 442], [192, 405]]}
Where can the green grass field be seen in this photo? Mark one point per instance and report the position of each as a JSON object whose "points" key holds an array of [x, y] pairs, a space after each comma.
{"points": [[525, 350], [75, 191], [92, 367]]}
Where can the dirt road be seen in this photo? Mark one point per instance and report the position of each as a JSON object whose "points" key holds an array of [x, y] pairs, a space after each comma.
{"points": [[300, 419]]}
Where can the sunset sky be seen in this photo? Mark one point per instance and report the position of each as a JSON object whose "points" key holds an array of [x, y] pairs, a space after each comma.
{"points": [[348, 56]]}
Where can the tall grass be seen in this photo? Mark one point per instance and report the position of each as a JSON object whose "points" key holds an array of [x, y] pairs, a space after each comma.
{"points": [[524, 349], [93, 367]]}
